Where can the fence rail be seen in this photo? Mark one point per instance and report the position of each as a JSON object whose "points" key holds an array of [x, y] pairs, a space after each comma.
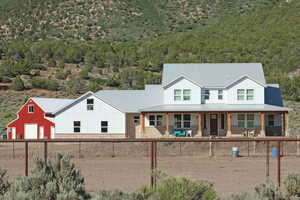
{"points": [[153, 148]]}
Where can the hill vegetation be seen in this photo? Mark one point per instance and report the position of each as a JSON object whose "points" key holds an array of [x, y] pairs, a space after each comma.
{"points": [[69, 47]]}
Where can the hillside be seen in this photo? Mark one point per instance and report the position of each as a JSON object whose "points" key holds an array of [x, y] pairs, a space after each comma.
{"points": [[114, 20], [233, 31]]}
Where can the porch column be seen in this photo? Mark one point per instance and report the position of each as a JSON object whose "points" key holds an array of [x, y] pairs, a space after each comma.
{"points": [[262, 125], [199, 133], [286, 124], [167, 116], [229, 116], [142, 119]]}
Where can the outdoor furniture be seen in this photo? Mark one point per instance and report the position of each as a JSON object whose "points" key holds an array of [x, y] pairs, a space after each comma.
{"points": [[181, 132]]}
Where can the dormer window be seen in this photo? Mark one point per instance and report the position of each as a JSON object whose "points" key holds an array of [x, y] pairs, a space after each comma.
{"points": [[30, 109], [90, 104], [186, 95], [177, 95], [206, 94], [220, 94]]}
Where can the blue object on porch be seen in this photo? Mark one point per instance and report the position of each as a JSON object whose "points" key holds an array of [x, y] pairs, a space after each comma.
{"points": [[179, 132], [235, 152], [274, 152]]}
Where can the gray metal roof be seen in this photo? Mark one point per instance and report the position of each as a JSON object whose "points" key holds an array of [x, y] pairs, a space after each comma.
{"points": [[132, 100], [213, 108], [50, 105], [213, 75]]}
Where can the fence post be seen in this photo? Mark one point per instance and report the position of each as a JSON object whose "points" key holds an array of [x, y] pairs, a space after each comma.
{"points": [[45, 151], [79, 150], [279, 164], [155, 161], [26, 158], [254, 148], [211, 150], [298, 144], [152, 164], [113, 150], [13, 149], [268, 159]]}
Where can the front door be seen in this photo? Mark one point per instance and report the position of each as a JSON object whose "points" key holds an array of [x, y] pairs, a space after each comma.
{"points": [[214, 124]]}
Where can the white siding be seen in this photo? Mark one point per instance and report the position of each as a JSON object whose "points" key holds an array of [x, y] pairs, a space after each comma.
{"points": [[90, 120], [259, 95], [183, 84]]}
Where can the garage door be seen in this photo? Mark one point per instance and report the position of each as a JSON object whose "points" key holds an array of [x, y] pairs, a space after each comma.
{"points": [[31, 131]]}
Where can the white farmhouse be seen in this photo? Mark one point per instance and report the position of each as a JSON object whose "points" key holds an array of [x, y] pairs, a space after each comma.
{"points": [[194, 100]]}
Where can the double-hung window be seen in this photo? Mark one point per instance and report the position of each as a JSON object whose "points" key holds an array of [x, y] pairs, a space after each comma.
{"points": [[104, 126], [245, 120], [182, 121], [136, 119], [155, 120], [271, 120], [250, 94], [90, 104], [31, 109], [241, 120], [186, 94], [240, 94], [206, 94], [220, 94], [76, 126], [177, 95], [250, 120]]}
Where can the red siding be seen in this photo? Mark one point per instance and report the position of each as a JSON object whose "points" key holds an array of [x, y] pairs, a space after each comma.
{"points": [[37, 117]]}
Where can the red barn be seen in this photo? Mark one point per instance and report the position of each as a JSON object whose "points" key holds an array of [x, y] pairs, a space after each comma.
{"points": [[32, 122]]}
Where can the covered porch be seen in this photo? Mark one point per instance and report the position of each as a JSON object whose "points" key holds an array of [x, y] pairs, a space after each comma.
{"points": [[227, 123]]}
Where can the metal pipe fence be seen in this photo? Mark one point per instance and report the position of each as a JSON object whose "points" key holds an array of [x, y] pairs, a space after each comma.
{"points": [[153, 148]]}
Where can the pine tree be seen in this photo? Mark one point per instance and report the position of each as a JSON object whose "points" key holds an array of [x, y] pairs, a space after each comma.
{"points": [[18, 84]]}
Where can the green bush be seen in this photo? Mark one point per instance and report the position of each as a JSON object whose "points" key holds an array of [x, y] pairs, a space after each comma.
{"points": [[292, 185], [44, 84], [118, 195], [4, 184], [17, 84], [268, 190], [57, 179], [84, 74]]}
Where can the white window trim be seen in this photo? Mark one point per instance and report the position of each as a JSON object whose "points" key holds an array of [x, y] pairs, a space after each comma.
{"points": [[90, 104], [75, 126], [104, 126], [220, 94], [156, 120], [245, 120], [30, 105], [206, 94], [182, 122]]}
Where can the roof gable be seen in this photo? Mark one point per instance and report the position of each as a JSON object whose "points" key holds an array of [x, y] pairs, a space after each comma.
{"points": [[213, 75], [178, 80]]}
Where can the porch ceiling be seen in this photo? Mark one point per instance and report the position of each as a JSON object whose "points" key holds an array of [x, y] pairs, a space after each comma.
{"points": [[215, 108]]}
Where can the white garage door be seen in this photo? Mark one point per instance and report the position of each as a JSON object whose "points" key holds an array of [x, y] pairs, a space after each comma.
{"points": [[31, 131]]}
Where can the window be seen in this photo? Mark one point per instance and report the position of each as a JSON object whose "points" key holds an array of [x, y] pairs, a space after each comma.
{"points": [[90, 104], [182, 121], [186, 95], [30, 109], [222, 121], [241, 120], [104, 126], [250, 94], [245, 120], [136, 120], [240, 94], [220, 94], [177, 95], [271, 120], [155, 120], [250, 120], [206, 94], [76, 125]]}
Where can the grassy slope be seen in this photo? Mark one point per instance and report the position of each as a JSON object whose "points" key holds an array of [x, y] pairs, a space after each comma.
{"points": [[113, 19]]}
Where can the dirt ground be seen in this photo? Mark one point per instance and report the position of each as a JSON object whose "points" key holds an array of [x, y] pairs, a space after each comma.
{"points": [[127, 166]]}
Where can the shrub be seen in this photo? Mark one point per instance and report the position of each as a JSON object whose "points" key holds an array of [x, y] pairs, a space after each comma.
{"points": [[44, 84], [292, 185], [84, 74], [55, 180], [17, 84], [173, 188], [4, 184], [118, 195], [268, 190]]}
